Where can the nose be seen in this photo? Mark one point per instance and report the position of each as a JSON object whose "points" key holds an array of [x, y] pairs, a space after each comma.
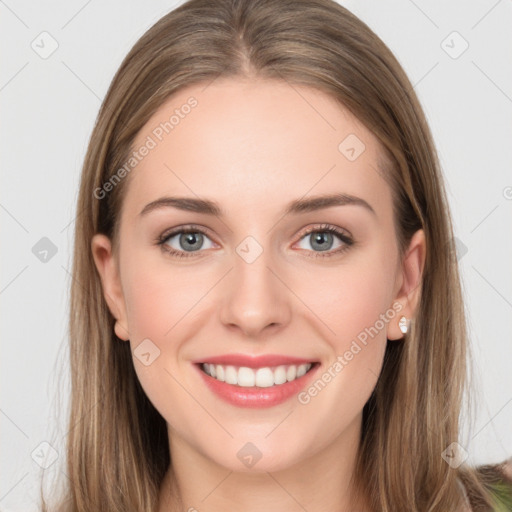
{"points": [[256, 301]]}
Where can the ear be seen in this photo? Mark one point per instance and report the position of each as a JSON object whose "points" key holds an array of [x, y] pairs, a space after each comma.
{"points": [[409, 280], [108, 269]]}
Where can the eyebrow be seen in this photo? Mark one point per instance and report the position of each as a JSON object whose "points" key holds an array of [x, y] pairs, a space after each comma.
{"points": [[297, 206]]}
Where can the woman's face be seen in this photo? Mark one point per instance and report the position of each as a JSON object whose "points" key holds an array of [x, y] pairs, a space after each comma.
{"points": [[258, 275]]}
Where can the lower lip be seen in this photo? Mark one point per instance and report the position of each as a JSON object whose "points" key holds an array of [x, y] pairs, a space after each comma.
{"points": [[256, 397]]}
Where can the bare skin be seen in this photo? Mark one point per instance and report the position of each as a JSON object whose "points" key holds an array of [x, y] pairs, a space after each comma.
{"points": [[253, 147]]}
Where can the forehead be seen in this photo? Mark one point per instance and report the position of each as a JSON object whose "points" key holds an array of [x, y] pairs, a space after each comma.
{"points": [[259, 143]]}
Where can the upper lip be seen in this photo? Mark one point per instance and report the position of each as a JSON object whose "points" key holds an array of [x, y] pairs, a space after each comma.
{"points": [[254, 361]]}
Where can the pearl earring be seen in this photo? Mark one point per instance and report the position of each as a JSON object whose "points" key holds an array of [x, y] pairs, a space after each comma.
{"points": [[402, 323]]}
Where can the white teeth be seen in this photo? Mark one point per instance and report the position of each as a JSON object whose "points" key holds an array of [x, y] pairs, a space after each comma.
{"points": [[246, 377], [262, 377], [231, 375], [301, 370], [219, 370], [280, 375], [291, 373]]}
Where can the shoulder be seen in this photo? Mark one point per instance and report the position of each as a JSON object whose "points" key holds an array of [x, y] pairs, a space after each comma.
{"points": [[497, 479]]}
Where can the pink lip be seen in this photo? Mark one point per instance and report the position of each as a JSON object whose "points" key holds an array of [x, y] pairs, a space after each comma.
{"points": [[253, 361], [256, 397]]}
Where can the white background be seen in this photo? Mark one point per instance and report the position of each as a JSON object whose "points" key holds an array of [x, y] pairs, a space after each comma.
{"points": [[48, 107]]}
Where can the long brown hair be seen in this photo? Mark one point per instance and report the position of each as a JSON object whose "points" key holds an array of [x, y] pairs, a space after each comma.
{"points": [[117, 448]]}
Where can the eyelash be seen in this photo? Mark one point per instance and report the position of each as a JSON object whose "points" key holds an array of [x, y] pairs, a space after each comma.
{"points": [[324, 228]]}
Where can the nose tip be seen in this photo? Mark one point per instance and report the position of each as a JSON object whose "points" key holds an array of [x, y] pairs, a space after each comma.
{"points": [[252, 314], [254, 300]]}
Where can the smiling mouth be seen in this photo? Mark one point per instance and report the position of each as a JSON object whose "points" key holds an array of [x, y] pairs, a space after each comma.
{"points": [[264, 377]]}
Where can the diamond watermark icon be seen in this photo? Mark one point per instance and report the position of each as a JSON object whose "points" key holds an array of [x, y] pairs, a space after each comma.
{"points": [[454, 455], [44, 45], [249, 249], [249, 454], [460, 248], [454, 45], [146, 352], [44, 454], [351, 147], [44, 250]]}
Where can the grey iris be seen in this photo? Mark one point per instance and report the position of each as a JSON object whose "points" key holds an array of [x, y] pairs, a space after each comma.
{"points": [[190, 238], [320, 238]]}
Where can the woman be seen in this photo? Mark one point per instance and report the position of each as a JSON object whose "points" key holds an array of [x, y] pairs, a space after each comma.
{"points": [[266, 310]]}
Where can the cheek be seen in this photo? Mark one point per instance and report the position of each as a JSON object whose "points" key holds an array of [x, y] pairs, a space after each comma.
{"points": [[159, 302], [353, 298], [356, 307], [355, 302], [158, 297]]}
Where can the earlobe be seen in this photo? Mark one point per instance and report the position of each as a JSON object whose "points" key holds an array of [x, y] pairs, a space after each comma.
{"points": [[408, 296], [106, 265]]}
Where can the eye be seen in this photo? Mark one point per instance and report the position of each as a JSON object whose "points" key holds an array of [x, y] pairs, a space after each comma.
{"points": [[184, 242], [321, 239]]}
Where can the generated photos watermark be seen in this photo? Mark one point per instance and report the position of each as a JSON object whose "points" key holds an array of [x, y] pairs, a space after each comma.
{"points": [[157, 135], [355, 348]]}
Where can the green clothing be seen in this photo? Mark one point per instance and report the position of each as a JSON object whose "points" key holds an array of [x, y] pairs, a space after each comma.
{"points": [[499, 484], [502, 496]]}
